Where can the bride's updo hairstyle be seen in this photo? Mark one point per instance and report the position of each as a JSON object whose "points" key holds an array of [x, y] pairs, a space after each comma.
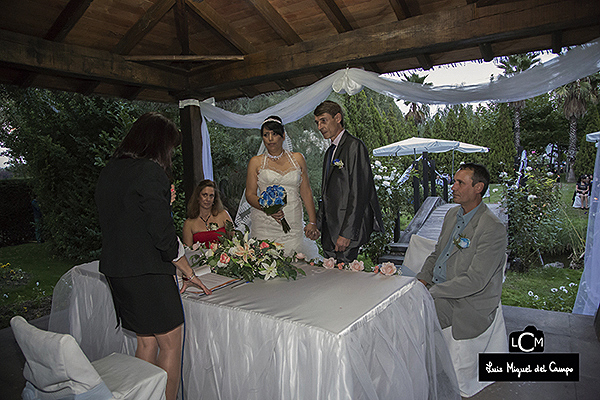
{"points": [[274, 124]]}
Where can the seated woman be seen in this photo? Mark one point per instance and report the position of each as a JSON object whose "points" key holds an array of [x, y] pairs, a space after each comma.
{"points": [[582, 192], [206, 215]]}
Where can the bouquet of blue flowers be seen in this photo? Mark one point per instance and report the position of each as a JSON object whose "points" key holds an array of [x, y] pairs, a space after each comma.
{"points": [[273, 199]]}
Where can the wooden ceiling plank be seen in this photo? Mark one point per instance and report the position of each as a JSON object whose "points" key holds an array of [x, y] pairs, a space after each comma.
{"points": [[143, 26], [181, 27], [185, 58], [67, 19], [335, 15], [400, 9], [208, 14], [448, 30], [276, 21], [285, 84], [413, 7], [39, 55]]}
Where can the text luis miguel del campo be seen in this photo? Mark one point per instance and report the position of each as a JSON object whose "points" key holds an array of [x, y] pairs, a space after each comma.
{"points": [[527, 362]]}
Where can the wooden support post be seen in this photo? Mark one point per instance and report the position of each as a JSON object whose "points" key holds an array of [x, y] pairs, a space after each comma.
{"points": [[416, 194], [191, 121], [445, 189]]}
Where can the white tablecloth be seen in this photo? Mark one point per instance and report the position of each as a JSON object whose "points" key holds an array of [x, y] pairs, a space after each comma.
{"points": [[330, 335]]}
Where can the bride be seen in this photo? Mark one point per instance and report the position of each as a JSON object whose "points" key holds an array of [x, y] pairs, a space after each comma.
{"points": [[277, 166]]}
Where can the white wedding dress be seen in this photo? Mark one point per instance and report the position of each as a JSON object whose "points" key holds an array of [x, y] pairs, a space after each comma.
{"points": [[264, 226]]}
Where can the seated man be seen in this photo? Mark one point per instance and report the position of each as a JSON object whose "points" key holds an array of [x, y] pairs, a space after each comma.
{"points": [[464, 273]]}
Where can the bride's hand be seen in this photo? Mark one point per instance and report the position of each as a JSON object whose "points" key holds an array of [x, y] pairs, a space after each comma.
{"points": [[311, 231], [278, 216]]}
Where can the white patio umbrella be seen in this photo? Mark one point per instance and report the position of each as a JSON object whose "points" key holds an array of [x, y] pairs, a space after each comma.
{"points": [[417, 145]]}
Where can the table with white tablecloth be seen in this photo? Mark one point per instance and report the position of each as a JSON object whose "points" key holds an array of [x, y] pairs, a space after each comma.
{"points": [[328, 335]]}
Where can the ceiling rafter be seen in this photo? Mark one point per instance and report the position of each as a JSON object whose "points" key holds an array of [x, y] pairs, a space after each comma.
{"points": [[208, 14], [143, 25], [67, 19], [335, 15], [400, 9], [276, 21], [181, 27]]}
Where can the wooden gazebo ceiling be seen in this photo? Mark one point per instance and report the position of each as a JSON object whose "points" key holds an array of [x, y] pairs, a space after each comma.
{"points": [[165, 50]]}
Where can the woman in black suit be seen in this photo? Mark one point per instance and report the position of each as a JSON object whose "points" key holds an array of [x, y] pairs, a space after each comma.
{"points": [[140, 249]]}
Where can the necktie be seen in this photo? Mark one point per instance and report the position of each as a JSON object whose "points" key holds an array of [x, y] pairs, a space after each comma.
{"points": [[330, 151]]}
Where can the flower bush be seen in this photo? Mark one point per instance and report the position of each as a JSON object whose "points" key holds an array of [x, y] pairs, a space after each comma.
{"points": [[394, 198], [12, 276], [240, 256], [533, 207]]}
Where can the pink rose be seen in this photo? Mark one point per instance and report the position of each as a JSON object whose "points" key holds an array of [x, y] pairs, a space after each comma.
{"points": [[388, 268], [264, 245], [340, 265], [224, 258], [300, 256], [214, 246], [376, 270], [357, 266], [312, 263], [329, 263]]}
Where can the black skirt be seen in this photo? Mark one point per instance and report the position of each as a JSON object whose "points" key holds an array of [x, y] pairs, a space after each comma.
{"points": [[147, 304]]}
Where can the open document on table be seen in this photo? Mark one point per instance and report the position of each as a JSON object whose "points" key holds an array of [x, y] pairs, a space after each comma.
{"points": [[211, 280]]}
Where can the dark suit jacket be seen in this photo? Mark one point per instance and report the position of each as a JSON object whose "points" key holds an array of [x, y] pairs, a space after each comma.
{"points": [[473, 275], [349, 204], [138, 234]]}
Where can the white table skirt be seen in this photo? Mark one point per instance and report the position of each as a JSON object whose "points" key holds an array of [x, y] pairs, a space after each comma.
{"points": [[330, 335]]}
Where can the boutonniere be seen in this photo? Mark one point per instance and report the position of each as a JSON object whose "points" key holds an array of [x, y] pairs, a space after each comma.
{"points": [[338, 163], [462, 242]]}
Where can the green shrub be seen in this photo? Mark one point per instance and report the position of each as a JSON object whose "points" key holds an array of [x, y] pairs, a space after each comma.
{"points": [[16, 213], [535, 217]]}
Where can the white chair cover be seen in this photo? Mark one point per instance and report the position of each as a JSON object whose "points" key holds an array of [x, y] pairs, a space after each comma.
{"points": [[419, 248], [55, 364], [56, 368], [464, 353], [577, 202]]}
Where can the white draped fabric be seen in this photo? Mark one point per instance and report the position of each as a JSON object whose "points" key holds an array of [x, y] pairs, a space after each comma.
{"points": [[329, 335], [577, 63], [588, 295]]}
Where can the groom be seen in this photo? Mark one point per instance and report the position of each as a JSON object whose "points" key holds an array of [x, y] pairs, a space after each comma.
{"points": [[348, 209]]}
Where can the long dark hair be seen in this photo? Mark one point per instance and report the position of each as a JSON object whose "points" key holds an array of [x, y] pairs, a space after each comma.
{"points": [[193, 208], [152, 136]]}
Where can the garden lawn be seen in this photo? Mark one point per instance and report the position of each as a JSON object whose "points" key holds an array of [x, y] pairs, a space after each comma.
{"points": [[34, 264]]}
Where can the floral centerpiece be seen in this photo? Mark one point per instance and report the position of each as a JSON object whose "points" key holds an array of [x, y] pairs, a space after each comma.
{"points": [[273, 199], [240, 256]]}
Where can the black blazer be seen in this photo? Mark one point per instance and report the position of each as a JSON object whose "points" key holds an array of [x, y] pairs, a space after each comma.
{"points": [[349, 204], [138, 234]]}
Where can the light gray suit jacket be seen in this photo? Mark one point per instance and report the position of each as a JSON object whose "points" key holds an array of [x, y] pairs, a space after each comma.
{"points": [[474, 275]]}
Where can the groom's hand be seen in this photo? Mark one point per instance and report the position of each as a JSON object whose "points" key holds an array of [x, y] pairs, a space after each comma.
{"points": [[342, 243]]}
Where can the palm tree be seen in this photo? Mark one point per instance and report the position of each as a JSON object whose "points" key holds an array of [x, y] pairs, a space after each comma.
{"points": [[417, 112], [513, 65], [574, 97]]}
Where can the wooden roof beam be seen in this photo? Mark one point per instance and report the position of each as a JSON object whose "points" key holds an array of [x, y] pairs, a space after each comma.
{"points": [[143, 26], [400, 9], [181, 26], [208, 14], [447, 30], [276, 21], [335, 15], [42, 56], [67, 19], [557, 42]]}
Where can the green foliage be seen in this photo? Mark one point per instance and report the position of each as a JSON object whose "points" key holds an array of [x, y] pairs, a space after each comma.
{"points": [[65, 139], [586, 153], [535, 218], [16, 212], [552, 289]]}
